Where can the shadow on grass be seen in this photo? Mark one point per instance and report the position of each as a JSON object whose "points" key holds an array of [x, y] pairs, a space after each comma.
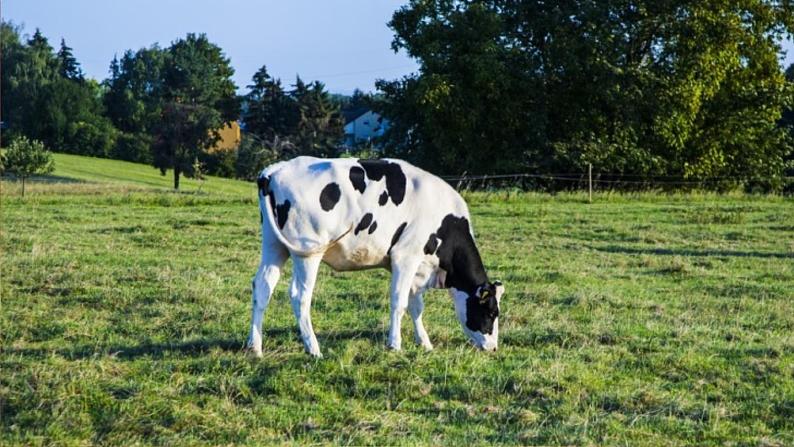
{"points": [[690, 252], [153, 350], [43, 179], [194, 347]]}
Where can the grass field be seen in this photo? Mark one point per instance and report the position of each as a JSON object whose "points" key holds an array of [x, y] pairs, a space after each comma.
{"points": [[639, 319]]}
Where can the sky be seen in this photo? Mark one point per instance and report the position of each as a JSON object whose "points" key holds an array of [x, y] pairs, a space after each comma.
{"points": [[344, 43]]}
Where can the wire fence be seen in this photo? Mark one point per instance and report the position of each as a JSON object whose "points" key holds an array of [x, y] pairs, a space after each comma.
{"points": [[604, 180]]}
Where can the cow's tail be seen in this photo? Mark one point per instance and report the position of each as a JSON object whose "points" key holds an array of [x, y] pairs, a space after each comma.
{"points": [[266, 208]]}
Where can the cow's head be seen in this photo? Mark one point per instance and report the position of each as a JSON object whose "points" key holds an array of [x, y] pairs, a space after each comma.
{"points": [[479, 313]]}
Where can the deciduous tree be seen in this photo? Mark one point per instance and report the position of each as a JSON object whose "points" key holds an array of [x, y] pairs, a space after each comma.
{"points": [[26, 157]]}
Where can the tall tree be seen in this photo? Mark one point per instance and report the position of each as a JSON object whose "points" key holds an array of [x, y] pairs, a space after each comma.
{"points": [[320, 124], [270, 112], [40, 103], [198, 98], [133, 100], [69, 67]]}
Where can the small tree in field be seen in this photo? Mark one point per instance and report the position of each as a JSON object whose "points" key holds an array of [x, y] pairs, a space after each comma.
{"points": [[26, 157]]}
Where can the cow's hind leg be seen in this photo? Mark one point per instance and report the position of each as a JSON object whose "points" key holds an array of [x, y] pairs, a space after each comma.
{"points": [[416, 306], [304, 275], [264, 283]]}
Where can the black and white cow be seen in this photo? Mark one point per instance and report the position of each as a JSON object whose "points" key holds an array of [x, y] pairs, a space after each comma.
{"points": [[361, 214]]}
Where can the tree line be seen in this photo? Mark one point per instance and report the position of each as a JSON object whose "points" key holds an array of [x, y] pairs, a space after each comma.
{"points": [[643, 89], [161, 106], [647, 88]]}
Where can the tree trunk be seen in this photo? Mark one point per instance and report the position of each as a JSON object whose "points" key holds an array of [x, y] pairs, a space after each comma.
{"points": [[176, 178], [23, 186]]}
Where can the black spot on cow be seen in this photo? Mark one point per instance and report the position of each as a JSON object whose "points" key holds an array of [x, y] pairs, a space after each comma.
{"points": [[397, 234], [458, 255], [365, 221], [281, 213], [358, 179], [329, 196], [372, 227], [395, 178], [272, 199], [383, 198], [263, 182], [431, 245]]}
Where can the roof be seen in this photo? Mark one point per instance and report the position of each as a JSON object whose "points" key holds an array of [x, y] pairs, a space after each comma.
{"points": [[352, 114]]}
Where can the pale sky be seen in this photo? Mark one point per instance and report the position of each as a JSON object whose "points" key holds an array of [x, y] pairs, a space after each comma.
{"points": [[343, 43]]}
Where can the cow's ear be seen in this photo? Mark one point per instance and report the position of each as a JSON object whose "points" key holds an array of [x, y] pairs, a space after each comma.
{"points": [[500, 289]]}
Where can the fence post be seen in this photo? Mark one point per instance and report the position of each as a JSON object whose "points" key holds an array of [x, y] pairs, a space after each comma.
{"points": [[590, 181]]}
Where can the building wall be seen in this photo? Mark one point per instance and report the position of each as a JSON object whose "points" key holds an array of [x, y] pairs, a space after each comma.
{"points": [[229, 138], [363, 128]]}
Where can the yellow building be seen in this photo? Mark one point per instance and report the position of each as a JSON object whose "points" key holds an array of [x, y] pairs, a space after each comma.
{"points": [[229, 138]]}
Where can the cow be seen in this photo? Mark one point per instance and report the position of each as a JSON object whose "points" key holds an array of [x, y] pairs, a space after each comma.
{"points": [[363, 214]]}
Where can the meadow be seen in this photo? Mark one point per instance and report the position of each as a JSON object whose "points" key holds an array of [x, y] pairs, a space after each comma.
{"points": [[639, 319]]}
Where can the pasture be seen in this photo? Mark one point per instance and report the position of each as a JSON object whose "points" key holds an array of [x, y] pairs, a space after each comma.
{"points": [[640, 319]]}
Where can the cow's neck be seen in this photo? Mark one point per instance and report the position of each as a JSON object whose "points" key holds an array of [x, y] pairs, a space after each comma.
{"points": [[459, 258]]}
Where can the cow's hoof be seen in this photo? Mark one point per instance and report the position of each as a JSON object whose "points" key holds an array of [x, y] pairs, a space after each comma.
{"points": [[255, 352], [428, 346], [393, 347], [313, 351]]}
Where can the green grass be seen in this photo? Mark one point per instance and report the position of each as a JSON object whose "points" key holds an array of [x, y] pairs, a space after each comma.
{"points": [[100, 174], [641, 319]]}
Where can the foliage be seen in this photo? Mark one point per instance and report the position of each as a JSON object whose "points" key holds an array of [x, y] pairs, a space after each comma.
{"points": [[270, 110], [26, 157], [68, 66], [681, 88], [320, 125], [198, 98], [45, 96], [303, 121], [254, 154]]}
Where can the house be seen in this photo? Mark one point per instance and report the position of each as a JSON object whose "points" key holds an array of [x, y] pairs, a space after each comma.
{"points": [[229, 138], [362, 125]]}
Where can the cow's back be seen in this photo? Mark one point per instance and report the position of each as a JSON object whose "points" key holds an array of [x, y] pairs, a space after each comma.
{"points": [[379, 207]]}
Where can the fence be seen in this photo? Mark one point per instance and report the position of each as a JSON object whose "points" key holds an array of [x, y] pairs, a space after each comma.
{"points": [[586, 180]]}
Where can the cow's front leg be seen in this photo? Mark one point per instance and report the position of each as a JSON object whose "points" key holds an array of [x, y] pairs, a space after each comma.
{"points": [[416, 306], [403, 272], [304, 275]]}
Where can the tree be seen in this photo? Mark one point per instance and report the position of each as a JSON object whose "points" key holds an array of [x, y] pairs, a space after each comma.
{"points": [[26, 157], [134, 101], [69, 67], [198, 97], [270, 111], [46, 98], [303, 121], [682, 88], [320, 124]]}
